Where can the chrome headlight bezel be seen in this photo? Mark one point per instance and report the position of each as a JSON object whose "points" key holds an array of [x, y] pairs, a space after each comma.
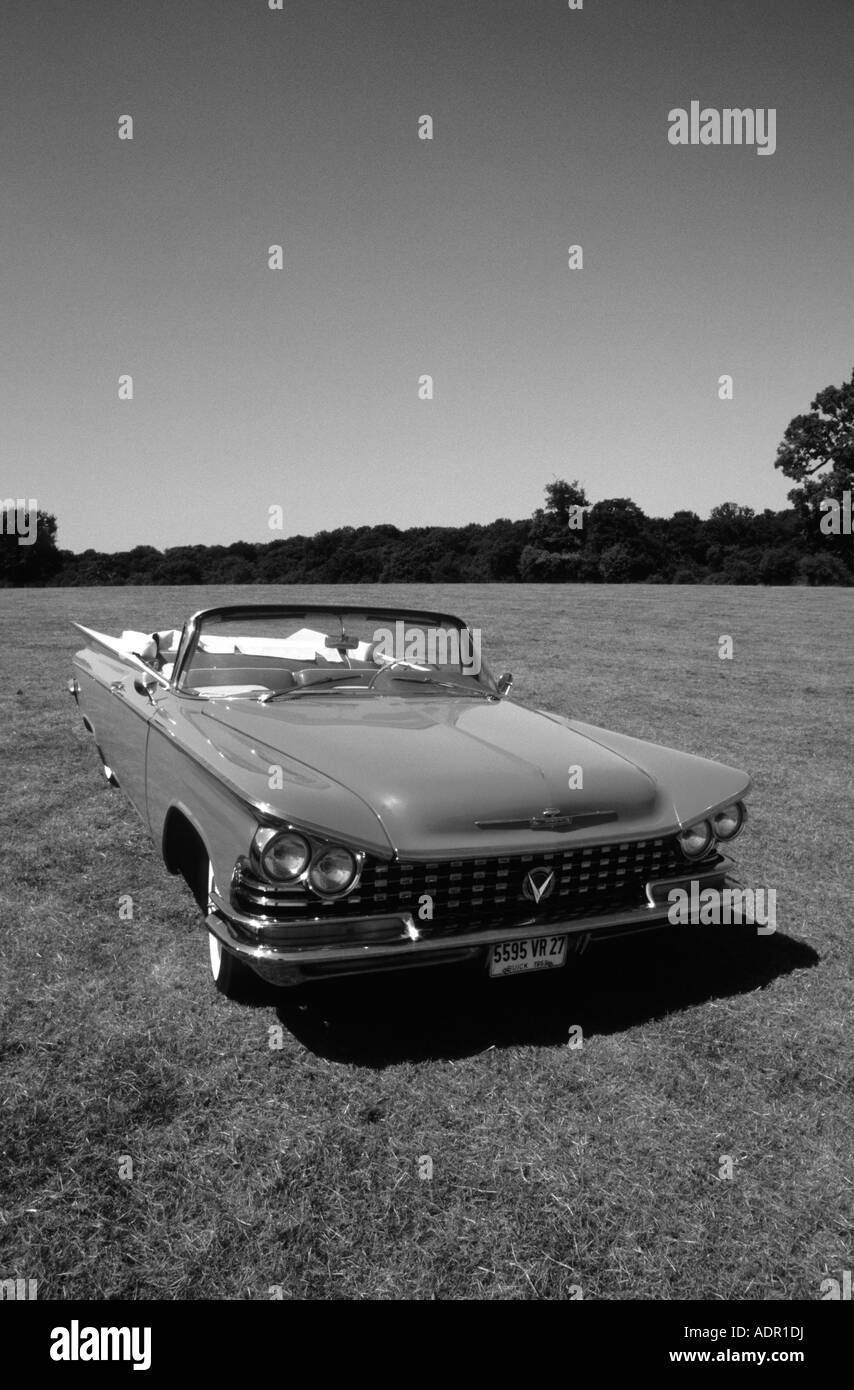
{"points": [[707, 845], [265, 842], [741, 820], [316, 848], [315, 870]]}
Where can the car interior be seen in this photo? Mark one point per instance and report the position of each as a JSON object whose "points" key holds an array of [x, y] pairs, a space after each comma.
{"points": [[252, 665], [225, 665]]}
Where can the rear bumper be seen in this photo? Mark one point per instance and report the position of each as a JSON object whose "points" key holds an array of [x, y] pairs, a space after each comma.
{"points": [[284, 953]]}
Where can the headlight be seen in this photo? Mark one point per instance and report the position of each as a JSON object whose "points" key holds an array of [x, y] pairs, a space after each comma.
{"points": [[730, 821], [697, 840], [333, 871], [283, 856]]}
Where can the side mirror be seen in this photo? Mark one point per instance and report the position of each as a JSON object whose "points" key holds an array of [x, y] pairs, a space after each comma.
{"points": [[505, 683], [145, 687]]}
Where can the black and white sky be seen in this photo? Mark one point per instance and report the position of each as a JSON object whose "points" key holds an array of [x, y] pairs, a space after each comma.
{"points": [[402, 257]]}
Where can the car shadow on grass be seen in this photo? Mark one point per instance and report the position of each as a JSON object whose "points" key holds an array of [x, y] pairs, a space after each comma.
{"points": [[442, 1013]]}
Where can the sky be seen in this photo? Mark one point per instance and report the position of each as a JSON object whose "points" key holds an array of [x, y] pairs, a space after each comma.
{"points": [[298, 387]]}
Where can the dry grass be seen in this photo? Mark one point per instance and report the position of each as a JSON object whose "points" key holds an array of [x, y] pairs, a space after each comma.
{"points": [[257, 1167]]}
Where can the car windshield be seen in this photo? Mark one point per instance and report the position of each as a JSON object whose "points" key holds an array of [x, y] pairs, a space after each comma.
{"points": [[289, 653]]}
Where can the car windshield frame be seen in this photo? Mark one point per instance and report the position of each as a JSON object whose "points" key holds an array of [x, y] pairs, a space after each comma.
{"points": [[483, 680]]}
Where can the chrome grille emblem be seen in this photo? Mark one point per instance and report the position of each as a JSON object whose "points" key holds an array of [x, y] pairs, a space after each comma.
{"points": [[538, 884]]}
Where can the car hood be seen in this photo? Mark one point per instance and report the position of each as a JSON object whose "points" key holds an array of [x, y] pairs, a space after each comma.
{"points": [[425, 777]]}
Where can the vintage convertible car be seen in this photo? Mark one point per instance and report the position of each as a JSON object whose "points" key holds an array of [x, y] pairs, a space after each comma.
{"points": [[350, 789]]}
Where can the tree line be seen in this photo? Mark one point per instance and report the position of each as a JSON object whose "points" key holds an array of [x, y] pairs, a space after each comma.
{"points": [[568, 540]]}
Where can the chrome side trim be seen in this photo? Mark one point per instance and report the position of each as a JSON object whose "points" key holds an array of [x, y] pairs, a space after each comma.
{"points": [[657, 889]]}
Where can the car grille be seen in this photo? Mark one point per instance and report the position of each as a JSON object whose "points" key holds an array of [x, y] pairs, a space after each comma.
{"points": [[486, 892]]}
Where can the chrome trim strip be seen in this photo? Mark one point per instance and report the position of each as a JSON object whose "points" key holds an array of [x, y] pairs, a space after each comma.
{"points": [[242, 934], [713, 878]]}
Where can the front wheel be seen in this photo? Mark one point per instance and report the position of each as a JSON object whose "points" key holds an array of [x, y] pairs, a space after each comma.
{"points": [[230, 976]]}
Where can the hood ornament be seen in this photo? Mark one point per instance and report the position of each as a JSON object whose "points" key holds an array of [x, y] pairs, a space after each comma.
{"points": [[552, 818]]}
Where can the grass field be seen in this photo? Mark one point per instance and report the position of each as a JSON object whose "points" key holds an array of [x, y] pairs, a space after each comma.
{"points": [[261, 1170]]}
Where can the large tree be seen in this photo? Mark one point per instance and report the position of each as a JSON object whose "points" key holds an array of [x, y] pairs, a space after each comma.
{"points": [[28, 551], [556, 532], [817, 451]]}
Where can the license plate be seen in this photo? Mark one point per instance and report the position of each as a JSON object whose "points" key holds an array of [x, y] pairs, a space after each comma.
{"points": [[518, 957]]}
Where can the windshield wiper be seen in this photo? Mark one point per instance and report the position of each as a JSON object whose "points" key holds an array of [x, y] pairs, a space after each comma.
{"points": [[402, 670], [466, 689], [427, 678], [323, 678]]}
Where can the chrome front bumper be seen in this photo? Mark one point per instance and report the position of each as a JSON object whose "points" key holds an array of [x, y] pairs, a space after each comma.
{"points": [[393, 941]]}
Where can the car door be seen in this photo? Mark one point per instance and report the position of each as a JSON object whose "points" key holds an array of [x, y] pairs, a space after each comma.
{"points": [[120, 714]]}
